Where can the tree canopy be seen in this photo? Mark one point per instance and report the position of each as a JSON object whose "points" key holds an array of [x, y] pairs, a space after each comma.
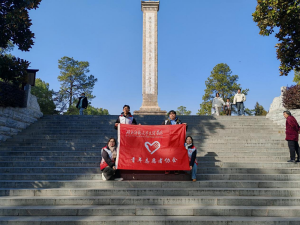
{"points": [[74, 81], [297, 77], [15, 23], [220, 81], [281, 17], [181, 110], [44, 97], [259, 110]]}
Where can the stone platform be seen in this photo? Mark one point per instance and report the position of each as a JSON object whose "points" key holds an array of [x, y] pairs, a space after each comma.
{"points": [[49, 174]]}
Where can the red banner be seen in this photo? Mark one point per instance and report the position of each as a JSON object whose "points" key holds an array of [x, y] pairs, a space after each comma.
{"points": [[143, 147]]}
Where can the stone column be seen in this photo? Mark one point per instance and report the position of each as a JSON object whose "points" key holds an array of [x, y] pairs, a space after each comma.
{"points": [[150, 104]]}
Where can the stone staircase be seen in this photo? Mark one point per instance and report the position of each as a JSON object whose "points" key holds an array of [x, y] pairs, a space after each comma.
{"points": [[49, 174]]}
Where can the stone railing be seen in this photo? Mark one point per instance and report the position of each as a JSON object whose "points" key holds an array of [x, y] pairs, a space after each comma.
{"points": [[276, 111], [13, 120]]}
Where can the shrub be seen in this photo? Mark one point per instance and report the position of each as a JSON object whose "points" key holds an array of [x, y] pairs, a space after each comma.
{"points": [[11, 95], [291, 97], [13, 69]]}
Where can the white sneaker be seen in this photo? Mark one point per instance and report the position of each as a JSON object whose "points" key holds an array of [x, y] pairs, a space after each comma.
{"points": [[103, 177], [118, 179]]}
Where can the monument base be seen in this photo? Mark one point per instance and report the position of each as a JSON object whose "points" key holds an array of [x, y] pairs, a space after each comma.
{"points": [[150, 111]]}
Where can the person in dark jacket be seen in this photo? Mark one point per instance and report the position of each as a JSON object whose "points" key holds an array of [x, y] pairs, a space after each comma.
{"points": [[192, 153], [82, 103], [292, 135], [172, 120], [107, 165], [125, 117]]}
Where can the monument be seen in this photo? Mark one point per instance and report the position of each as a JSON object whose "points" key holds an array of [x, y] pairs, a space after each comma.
{"points": [[150, 104]]}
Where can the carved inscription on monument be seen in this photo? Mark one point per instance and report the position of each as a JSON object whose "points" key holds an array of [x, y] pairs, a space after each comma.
{"points": [[150, 72]]}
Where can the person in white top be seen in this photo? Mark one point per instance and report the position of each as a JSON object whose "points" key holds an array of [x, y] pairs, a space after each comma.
{"points": [[217, 104], [239, 100]]}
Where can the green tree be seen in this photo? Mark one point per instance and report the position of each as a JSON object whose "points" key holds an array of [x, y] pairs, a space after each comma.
{"points": [[89, 111], [15, 30], [9, 48], [15, 23], [259, 110], [44, 97], [181, 110], [282, 17], [74, 81], [296, 77], [220, 81]]}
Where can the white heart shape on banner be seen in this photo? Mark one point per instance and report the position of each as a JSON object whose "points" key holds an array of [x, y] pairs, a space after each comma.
{"points": [[155, 145]]}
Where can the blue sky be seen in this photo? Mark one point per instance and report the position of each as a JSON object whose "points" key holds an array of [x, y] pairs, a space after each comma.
{"points": [[193, 37]]}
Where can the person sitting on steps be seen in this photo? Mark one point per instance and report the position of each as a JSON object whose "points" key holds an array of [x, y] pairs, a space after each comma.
{"points": [[107, 165], [125, 117], [192, 153], [172, 120]]}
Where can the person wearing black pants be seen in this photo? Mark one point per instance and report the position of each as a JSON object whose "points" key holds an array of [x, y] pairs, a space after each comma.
{"points": [[292, 135]]}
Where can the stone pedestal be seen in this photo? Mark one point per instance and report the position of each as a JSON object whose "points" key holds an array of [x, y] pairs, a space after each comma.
{"points": [[276, 110], [150, 105]]}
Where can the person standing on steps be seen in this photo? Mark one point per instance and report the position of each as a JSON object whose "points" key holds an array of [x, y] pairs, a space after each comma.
{"points": [[173, 120], [192, 153], [82, 103], [125, 117], [227, 107], [292, 135], [239, 100], [217, 104], [107, 165]]}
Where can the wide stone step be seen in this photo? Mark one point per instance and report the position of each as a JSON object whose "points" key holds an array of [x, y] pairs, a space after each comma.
{"points": [[208, 158], [151, 220], [201, 164], [270, 192], [77, 170], [138, 210], [287, 187], [194, 135], [219, 170], [200, 153], [234, 148], [50, 153], [150, 200], [91, 176]]}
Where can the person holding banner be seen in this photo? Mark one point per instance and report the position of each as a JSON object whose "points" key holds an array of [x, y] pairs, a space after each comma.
{"points": [[125, 117], [192, 153], [107, 165], [172, 120]]}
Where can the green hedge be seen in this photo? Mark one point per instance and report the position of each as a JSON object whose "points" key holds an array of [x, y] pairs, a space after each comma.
{"points": [[11, 95]]}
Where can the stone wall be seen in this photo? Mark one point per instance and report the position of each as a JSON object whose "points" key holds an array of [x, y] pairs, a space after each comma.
{"points": [[13, 120], [276, 111]]}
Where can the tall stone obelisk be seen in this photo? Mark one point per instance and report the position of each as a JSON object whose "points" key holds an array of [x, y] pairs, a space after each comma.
{"points": [[150, 105]]}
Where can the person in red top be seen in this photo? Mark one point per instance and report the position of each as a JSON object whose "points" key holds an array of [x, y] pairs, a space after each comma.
{"points": [[292, 135]]}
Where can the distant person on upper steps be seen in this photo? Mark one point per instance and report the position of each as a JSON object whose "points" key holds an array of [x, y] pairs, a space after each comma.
{"points": [[173, 120], [107, 165], [82, 103], [227, 107], [292, 135], [125, 117], [217, 104], [192, 153], [239, 100]]}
